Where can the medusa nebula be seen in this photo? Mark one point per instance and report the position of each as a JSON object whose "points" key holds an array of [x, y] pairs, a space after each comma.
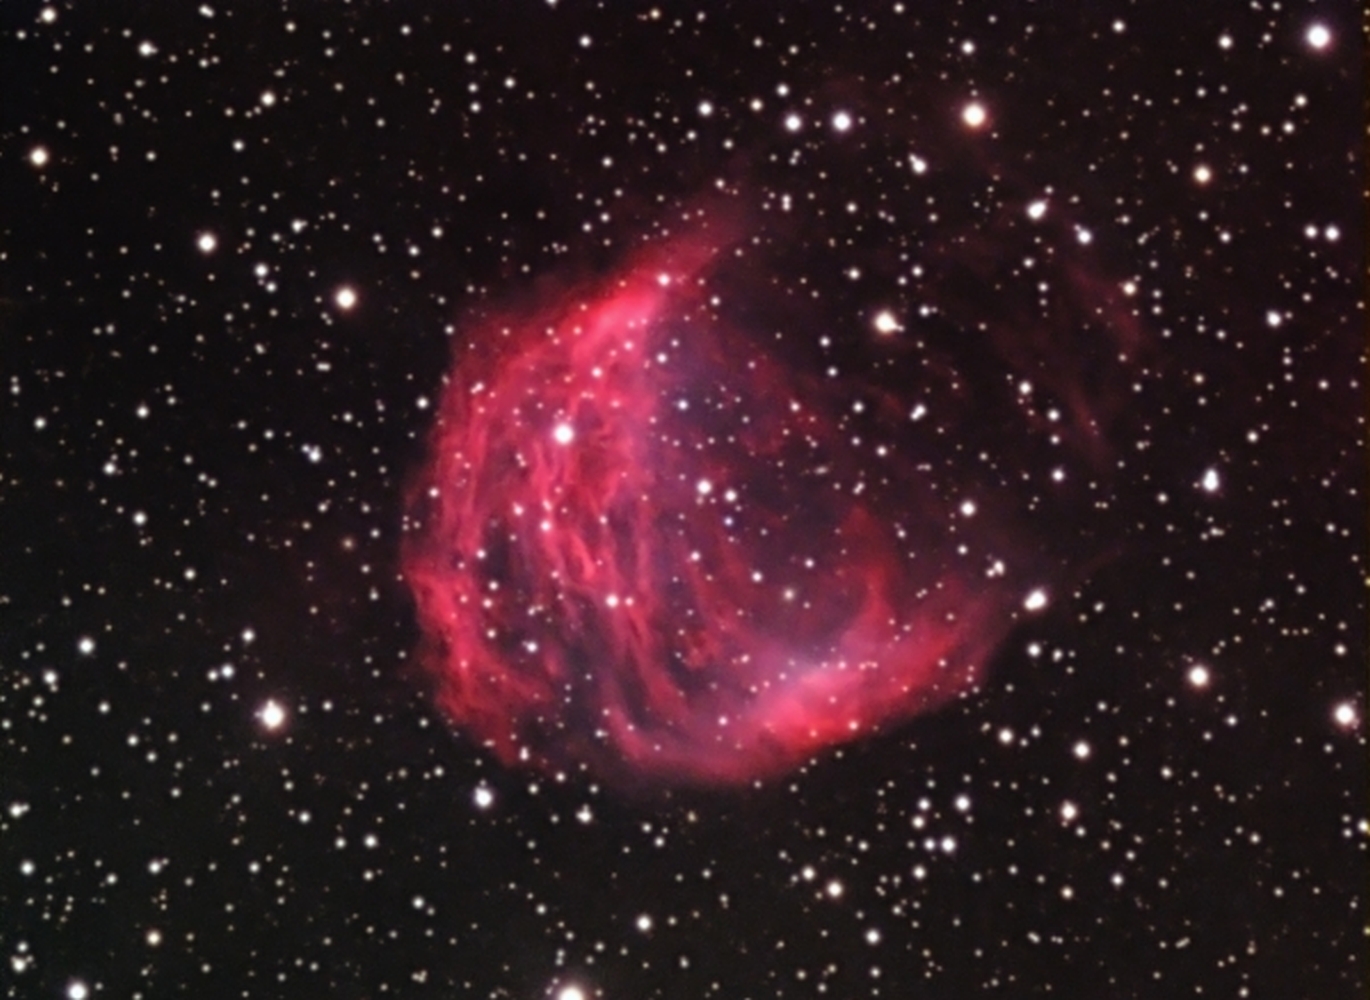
{"points": [[657, 545]]}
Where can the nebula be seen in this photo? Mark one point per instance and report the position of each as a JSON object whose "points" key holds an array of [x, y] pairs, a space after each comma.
{"points": [[652, 545]]}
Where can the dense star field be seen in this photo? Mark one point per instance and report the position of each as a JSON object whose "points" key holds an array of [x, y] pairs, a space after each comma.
{"points": [[567, 500]]}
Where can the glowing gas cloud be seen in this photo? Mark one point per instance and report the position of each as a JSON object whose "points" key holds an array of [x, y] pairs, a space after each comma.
{"points": [[660, 547]]}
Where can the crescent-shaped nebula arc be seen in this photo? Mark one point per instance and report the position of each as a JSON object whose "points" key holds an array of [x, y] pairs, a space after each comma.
{"points": [[655, 546]]}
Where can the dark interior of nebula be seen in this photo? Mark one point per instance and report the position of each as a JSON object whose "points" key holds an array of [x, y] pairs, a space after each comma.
{"points": [[680, 525]]}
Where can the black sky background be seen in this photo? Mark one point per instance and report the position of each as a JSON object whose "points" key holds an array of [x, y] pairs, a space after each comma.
{"points": [[157, 840]]}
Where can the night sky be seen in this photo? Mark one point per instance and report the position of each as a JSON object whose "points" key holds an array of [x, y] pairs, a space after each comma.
{"points": [[1001, 365]]}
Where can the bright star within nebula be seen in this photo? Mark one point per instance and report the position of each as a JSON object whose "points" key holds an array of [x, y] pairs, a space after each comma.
{"points": [[652, 544]]}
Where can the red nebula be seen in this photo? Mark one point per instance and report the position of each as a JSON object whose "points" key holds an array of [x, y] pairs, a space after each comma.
{"points": [[647, 547]]}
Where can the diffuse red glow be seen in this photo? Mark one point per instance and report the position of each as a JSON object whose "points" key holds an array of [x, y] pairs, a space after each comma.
{"points": [[644, 545]]}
